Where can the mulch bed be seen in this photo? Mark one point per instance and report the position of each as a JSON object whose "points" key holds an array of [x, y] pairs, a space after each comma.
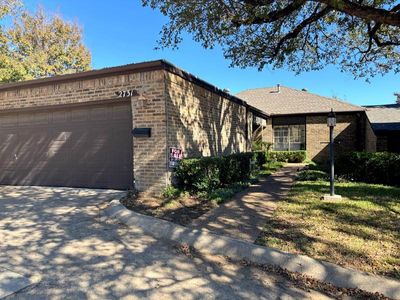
{"points": [[180, 211]]}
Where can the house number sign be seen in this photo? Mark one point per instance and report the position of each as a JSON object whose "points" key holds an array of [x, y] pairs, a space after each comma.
{"points": [[127, 93]]}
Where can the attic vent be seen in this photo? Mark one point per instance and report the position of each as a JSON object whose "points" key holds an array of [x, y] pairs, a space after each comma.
{"points": [[398, 97], [304, 90], [278, 89]]}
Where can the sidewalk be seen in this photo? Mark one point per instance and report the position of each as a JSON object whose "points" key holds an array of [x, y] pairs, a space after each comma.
{"points": [[205, 241], [244, 216]]}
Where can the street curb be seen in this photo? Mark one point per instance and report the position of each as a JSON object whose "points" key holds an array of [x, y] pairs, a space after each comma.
{"points": [[205, 241], [12, 282]]}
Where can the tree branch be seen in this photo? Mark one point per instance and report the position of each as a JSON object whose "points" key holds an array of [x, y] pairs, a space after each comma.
{"points": [[368, 13], [271, 16], [296, 31]]}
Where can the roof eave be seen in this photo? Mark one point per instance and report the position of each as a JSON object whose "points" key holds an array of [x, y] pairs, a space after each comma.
{"points": [[144, 66], [316, 113]]}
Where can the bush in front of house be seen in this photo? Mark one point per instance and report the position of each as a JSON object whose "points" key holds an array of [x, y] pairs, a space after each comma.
{"points": [[209, 173], [378, 167], [261, 158], [288, 156], [171, 192], [312, 175]]}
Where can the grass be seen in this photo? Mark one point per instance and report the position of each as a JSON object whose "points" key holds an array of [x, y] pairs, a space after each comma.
{"points": [[362, 231], [220, 195], [270, 167]]}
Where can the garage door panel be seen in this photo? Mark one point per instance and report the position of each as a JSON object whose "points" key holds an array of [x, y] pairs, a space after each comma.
{"points": [[60, 116], [82, 147], [120, 113], [100, 114]]}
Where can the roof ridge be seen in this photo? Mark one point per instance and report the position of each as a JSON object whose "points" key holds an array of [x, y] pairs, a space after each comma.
{"points": [[329, 98], [298, 90]]}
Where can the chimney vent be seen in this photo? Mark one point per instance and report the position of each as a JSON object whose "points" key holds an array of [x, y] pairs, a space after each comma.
{"points": [[398, 97], [278, 87]]}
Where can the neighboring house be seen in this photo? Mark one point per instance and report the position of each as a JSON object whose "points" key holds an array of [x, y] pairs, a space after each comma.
{"points": [[385, 122], [298, 121], [75, 130]]}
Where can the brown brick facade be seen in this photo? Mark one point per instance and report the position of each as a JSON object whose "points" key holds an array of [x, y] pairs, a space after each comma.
{"points": [[317, 136], [203, 123], [370, 137], [348, 135], [180, 113]]}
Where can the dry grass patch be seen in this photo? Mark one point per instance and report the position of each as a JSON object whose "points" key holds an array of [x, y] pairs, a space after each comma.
{"points": [[362, 231]]}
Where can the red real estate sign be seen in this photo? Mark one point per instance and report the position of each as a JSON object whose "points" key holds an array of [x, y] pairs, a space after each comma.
{"points": [[175, 155]]}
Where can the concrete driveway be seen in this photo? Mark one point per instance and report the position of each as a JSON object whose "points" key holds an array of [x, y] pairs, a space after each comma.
{"points": [[55, 237]]}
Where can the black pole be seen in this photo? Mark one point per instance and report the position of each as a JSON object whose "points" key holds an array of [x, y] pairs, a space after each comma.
{"points": [[331, 149]]}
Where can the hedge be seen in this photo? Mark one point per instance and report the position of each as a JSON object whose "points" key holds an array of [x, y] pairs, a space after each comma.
{"points": [[378, 167], [206, 173], [289, 156]]}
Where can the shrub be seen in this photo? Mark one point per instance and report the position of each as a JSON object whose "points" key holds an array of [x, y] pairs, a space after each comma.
{"points": [[378, 167], [288, 156], [209, 173], [260, 146], [261, 158], [171, 192], [312, 175], [198, 174]]}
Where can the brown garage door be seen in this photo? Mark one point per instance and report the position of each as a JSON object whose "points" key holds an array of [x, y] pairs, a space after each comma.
{"points": [[86, 146]]}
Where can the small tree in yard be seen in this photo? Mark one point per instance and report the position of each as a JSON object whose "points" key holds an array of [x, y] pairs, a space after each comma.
{"points": [[39, 46], [360, 36]]}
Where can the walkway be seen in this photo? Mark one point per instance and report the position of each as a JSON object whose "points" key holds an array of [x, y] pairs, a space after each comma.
{"points": [[245, 215]]}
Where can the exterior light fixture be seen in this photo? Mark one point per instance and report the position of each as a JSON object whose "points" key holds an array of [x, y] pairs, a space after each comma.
{"points": [[331, 119], [331, 122]]}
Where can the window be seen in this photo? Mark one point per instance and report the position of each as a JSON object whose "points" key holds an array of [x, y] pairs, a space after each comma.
{"points": [[289, 137]]}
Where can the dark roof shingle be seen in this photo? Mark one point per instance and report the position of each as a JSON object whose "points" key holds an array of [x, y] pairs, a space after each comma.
{"points": [[384, 117]]}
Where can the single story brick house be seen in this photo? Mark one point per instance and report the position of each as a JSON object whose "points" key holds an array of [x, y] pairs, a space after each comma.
{"points": [[385, 122], [119, 127], [297, 120], [125, 127]]}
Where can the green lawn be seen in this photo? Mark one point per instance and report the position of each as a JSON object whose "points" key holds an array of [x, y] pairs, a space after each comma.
{"points": [[270, 167], [362, 231]]}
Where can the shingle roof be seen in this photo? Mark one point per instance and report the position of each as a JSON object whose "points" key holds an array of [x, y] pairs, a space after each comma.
{"points": [[292, 101], [384, 117]]}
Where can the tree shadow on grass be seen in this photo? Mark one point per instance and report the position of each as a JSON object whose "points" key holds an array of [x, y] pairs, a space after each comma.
{"points": [[374, 219]]}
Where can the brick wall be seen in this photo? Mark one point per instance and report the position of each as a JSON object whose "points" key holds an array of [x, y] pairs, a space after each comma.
{"points": [[202, 122], [149, 154], [317, 136], [148, 111], [199, 121], [268, 135], [382, 143], [370, 137]]}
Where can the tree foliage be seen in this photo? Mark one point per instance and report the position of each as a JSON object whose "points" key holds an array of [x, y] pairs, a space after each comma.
{"points": [[8, 6], [40, 46], [360, 36]]}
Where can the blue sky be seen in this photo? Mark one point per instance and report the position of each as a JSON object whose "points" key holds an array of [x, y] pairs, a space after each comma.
{"points": [[122, 31]]}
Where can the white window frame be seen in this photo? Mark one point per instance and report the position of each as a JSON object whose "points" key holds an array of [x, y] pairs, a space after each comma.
{"points": [[291, 144]]}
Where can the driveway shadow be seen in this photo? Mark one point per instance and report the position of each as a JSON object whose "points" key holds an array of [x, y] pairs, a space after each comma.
{"points": [[55, 235]]}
